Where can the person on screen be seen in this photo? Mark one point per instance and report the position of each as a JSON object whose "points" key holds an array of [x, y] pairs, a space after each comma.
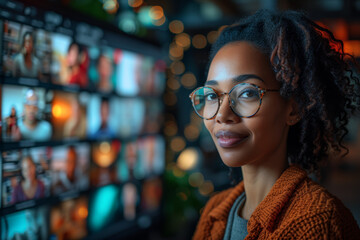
{"points": [[25, 62], [29, 187], [31, 127], [77, 62], [105, 69], [70, 178], [104, 131], [130, 197], [75, 126], [12, 129]]}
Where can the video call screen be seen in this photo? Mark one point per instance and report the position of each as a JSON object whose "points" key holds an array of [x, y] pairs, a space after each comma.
{"points": [[26, 114], [70, 168], [80, 122], [68, 219], [26, 224], [69, 115], [27, 51], [25, 175]]}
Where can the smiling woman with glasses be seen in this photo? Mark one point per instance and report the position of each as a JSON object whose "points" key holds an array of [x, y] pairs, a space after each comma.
{"points": [[276, 101]]}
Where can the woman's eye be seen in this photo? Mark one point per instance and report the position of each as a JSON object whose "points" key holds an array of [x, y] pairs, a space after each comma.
{"points": [[249, 94], [210, 97]]}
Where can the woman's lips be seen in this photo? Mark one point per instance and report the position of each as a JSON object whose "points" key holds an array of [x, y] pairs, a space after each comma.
{"points": [[227, 139]]}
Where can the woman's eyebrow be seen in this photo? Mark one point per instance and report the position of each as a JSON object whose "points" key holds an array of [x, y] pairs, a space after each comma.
{"points": [[237, 79], [242, 78]]}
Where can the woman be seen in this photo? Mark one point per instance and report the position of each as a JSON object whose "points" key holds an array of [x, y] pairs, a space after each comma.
{"points": [[25, 63], [30, 187], [276, 101]]}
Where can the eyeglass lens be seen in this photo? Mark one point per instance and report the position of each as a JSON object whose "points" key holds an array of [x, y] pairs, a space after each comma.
{"points": [[245, 100]]}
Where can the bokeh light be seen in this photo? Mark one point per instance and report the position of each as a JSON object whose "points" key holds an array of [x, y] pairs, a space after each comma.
{"points": [[173, 83], [212, 36], [156, 12], [188, 80], [177, 67], [196, 179], [183, 40], [176, 51], [110, 6], [176, 26], [199, 41], [191, 132], [177, 144], [170, 128], [206, 188], [188, 159], [135, 3]]}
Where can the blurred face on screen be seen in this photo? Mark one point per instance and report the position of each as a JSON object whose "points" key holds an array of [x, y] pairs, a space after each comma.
{"points": [[104, 112], [71, 163], [72, 55], [104, 67], [30, 107], [28, 44], [28, 169]]}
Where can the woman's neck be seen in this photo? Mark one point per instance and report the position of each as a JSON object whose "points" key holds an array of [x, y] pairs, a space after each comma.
{"points": [[258, 181]]}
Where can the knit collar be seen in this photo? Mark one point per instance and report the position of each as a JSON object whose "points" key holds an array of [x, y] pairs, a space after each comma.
{"points": [[268, 210]]}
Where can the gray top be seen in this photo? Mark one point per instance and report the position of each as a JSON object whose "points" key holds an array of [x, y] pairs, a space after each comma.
{"points": [[236, 227]]}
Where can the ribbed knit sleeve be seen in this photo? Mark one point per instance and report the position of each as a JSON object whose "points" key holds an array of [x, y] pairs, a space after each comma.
{"points": [[203, 228]]}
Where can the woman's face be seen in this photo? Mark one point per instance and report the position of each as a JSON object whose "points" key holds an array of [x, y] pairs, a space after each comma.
{"points": [[251, 140], [28, 44], [28, 169]]}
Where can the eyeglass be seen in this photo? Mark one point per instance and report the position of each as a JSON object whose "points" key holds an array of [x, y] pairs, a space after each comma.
{"points": [[244, 99]]}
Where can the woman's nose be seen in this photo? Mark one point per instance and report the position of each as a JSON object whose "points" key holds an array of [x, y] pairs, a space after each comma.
{"points": [[225, 113]]}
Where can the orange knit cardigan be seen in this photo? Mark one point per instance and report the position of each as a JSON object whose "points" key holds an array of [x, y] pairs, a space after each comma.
{"points": [[295, 208]]}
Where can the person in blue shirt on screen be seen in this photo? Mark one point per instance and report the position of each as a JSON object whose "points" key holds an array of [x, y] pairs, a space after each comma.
{"points": [[104, 130], [31, 127]]}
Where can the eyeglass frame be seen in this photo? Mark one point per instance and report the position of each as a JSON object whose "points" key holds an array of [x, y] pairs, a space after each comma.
{"points": [[261, 90]]}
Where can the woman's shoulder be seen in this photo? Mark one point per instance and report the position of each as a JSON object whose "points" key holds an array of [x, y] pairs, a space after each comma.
{"points": [[311, 195], [313, 207]]}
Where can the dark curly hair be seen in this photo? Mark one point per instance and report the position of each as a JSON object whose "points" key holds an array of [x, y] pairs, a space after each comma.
{"points": [[313, 69]]}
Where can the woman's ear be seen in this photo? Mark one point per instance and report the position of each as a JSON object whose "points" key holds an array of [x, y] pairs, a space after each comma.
{"points": [[293, 114]]}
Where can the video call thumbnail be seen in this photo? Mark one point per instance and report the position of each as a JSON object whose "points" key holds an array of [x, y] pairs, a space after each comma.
{"points": [[70, 168], [130, 114], [68, 219], [25, 175], [129, 166], [104, 122], [154, 117], [26, 224], [139, 75], [69, 115], [102, 69], [103, 167], [70, 61], [26, 114], [27, 51], [142, 158], [104, 207], [152, 155], [130, 200], [151, 194]]}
